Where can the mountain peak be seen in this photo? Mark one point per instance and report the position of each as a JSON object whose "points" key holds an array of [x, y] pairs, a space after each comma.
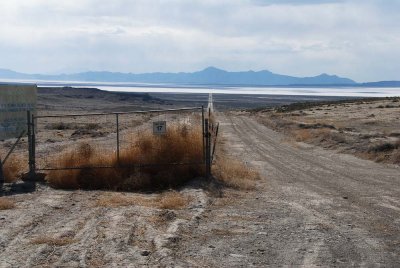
{"points": [[326, 75], [213, 69]]}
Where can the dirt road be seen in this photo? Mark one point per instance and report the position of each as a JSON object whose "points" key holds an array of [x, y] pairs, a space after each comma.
{"points": [[312, 208]]}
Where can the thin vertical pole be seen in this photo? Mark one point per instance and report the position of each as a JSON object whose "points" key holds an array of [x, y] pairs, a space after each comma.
{"points": [[208, 160], [30, 156], [215, 143], [202, 126], [33, 146], [117, 118], [1, 172]]}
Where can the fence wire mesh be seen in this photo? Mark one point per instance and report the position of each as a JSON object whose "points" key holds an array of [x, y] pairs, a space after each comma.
{"points": [[17, 161], [71, 141]]}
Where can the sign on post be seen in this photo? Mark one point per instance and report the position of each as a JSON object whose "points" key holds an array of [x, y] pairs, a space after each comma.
{"points": [[159, 127], [15, 100]]}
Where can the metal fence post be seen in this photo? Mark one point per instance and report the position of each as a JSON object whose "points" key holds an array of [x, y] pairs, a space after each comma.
{"points": [[208, 158], [2, 179], [31, 146], [117, 118], [214, 143], [29, 142], [202, 126], [209, 150]]}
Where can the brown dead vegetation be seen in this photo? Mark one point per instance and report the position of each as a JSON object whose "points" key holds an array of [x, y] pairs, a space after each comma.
{"points": [[396, 157], [302, 135], [6, 203], [172, 200], [119, 200], [14, 167], [52, 241], [354, 127], [181, 144], [166, 200], [235, 173]]}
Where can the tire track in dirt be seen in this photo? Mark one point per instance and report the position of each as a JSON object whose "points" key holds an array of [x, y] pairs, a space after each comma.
{"points": [[55, 228], [360, 186], [284, 160], [316, 207]]}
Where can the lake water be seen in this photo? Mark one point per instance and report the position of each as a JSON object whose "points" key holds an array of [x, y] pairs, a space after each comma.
{"points": [[165, 88], [350, 92]]}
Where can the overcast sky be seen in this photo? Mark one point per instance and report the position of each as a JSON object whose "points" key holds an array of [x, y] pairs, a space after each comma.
{"points": [[359, 39]]}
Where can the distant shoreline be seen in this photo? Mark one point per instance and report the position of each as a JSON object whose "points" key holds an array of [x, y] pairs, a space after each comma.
{"points": [[385, 84], [297, 90]]}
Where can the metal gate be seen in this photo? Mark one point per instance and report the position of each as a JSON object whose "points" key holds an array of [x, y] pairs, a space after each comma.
{"points": [[113, 134]]}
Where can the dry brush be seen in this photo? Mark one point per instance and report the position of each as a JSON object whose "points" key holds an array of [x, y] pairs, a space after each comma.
{"points": [[150, 163]]}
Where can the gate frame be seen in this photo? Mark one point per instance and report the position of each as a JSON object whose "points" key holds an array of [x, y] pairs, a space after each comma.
{"points": [[206, 133]]}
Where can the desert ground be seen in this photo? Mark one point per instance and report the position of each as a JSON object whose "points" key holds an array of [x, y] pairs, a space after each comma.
{"points": [[328, 192]]}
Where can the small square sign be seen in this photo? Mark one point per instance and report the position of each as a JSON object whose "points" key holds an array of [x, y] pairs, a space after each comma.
{"points": [[15, 101], [159, 127]]}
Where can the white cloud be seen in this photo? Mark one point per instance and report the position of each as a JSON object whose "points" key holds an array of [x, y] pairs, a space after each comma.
{"points": [[350, 38]]}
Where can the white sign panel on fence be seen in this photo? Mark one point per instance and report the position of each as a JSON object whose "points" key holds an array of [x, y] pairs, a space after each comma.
{"points": [[15, 101], [159, 127]]}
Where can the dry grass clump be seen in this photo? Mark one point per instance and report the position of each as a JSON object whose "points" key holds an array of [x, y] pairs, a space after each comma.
{"points": [[167, 200], [384, 147], [66, 126], [120, 200], [172, 200], [87, 178], [384, 152], [14, 167], [6, 203], [302, 135], [52, 241], [396, 157], [326, 135], [235, 173], [181, 144]]}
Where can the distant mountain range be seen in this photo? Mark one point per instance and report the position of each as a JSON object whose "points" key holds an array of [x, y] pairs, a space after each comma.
{"points": [[208, 76]]}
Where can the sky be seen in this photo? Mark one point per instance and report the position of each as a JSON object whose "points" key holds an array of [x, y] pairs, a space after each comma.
{"points": [[359, 39]]}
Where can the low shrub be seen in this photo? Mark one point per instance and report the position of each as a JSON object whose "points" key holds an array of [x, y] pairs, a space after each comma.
{"points": [[396, 157], [145, 165], [302, 134], [6, 203], [14, 167], [383, 147], [172, 200], [235, 173]]}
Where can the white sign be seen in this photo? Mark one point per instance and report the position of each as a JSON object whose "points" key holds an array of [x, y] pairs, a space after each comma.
{"points": [[159, 127], [15, 101]]}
